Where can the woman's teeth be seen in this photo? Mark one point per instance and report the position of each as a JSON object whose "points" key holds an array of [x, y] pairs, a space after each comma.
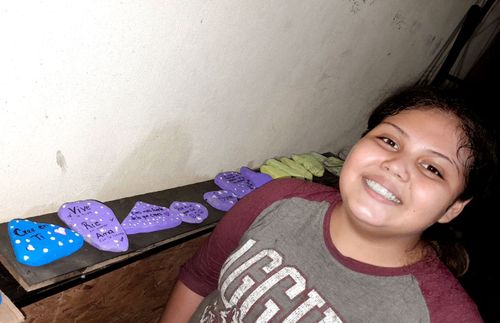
{"points": [[382, 191]]}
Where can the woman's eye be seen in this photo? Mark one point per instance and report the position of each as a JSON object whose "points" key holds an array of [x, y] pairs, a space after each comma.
{"points": [[389, 142], [433, 170]]}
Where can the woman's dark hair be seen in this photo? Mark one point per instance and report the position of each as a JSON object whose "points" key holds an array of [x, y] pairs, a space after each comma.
{"points": [[480, 167]]}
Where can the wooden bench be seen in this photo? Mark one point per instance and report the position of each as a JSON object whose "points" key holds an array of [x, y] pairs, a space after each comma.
{"points": [[94, 286]]}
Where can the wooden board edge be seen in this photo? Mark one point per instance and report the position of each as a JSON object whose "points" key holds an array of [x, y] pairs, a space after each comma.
{"points": [[9, 313], [95, 267], [14, 272]]}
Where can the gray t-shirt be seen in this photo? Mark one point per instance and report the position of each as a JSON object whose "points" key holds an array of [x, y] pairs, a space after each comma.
{"points": [[285, 268]]}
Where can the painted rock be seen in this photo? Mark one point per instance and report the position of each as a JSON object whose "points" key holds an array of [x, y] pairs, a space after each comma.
{"points": [[221, 200], [37, 244], [258, 179], [146, 217], [234, 182], [96, 223], [189, 212]]}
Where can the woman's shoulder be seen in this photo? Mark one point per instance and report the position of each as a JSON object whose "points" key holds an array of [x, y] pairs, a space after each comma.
{"points": [[446, 299]]}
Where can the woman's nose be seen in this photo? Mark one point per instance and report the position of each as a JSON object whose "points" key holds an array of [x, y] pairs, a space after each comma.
{"points": [[396, 167]]}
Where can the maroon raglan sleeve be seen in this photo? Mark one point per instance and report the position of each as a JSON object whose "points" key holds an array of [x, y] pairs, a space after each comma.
{"points": [[201, 272], [446, 299]]}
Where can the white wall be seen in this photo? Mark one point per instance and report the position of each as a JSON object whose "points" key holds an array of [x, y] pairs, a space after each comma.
{"points": [[482, 37], [108, 99]]}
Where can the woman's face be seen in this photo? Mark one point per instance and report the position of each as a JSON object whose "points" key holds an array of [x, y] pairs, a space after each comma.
{"points": [[405, 174]]}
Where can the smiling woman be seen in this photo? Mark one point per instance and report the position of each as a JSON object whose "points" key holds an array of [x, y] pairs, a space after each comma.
{"points": [[293, 250], [404, 175], [472, 157]]}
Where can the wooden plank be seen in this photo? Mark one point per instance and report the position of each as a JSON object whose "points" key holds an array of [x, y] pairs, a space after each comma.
{"points": [[89, 259], [133, 293], [9, 313]]}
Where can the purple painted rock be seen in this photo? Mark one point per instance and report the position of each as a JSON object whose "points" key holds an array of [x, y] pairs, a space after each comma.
{"points": [[96, 223], [221, 200], [189, 212], [257, 178], [146, 217], [234, 182], [37, 244]]}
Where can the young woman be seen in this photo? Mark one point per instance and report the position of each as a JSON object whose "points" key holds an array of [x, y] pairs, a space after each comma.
{"points": [[299, 251]]}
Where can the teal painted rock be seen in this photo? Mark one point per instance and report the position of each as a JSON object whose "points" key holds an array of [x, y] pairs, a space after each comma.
{"points": [[37, 244]]}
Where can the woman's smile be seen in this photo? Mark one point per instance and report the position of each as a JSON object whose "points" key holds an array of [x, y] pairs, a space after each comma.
{"points": [[382, 191]]}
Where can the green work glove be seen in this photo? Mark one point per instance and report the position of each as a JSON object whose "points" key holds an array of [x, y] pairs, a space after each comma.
{"points": [[274, 172], [318, 156], [333, 165], [297, 167], [290, 171], [310, 163]]}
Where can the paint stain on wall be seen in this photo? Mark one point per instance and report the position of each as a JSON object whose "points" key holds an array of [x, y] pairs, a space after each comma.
{"points": [[61, 161], [357, 5], [434, 44], [398, 21], [415, 26]]}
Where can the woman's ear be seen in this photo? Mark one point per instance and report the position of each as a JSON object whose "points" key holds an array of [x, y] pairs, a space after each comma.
{"points": [[453, 210]]}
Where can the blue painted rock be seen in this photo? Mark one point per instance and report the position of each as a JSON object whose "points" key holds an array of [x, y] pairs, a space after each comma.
{"points": [[234, 182], [146, 217], [96, 223], [37, 244], [221, 200], [189, 212], [257, 178]]}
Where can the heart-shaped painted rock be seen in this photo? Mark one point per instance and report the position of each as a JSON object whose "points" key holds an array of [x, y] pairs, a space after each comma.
{"points": [[221, 200], [146, 217], [189, 212], [96, 223], [37, 244], [257, 178], [234, 182]]}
